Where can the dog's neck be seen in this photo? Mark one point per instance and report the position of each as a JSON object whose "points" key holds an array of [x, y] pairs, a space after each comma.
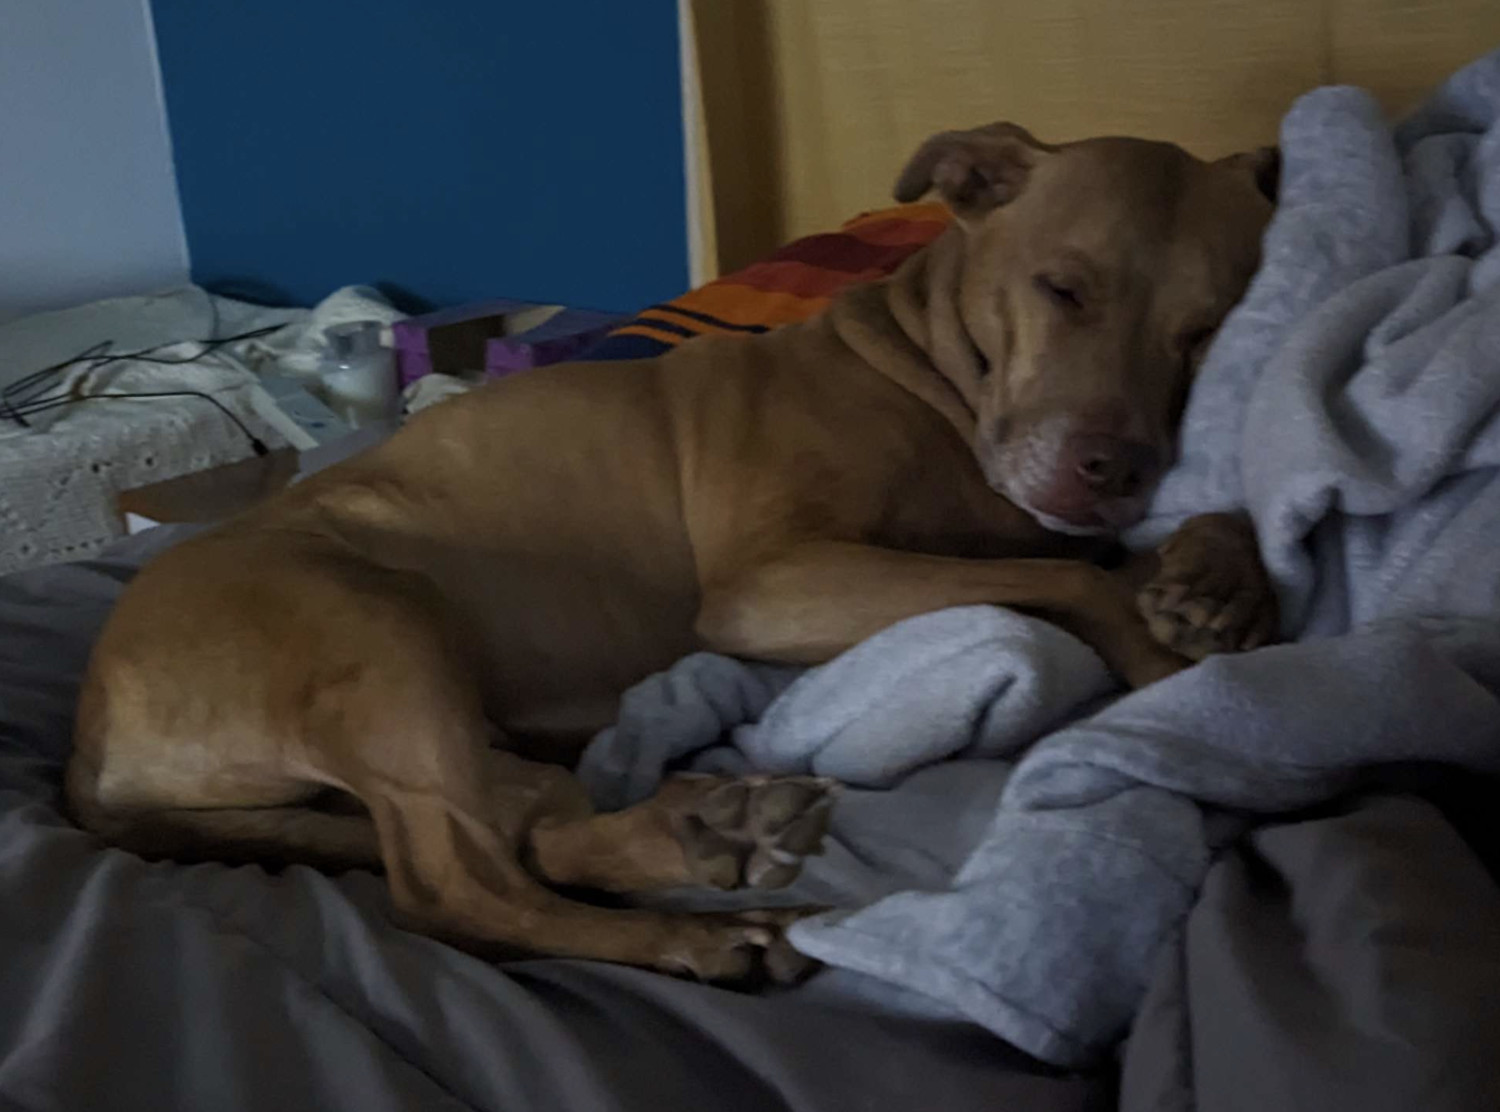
{"points": [[908, 328]]}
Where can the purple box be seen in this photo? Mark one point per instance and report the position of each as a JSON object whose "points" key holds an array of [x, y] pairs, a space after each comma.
{"points": [[566, 336], [450, 340]]}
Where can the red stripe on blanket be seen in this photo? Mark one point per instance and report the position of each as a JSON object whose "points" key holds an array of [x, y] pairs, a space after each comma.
{"points": [[733, 303], [802, 280], [798, 281], [846, 254]]}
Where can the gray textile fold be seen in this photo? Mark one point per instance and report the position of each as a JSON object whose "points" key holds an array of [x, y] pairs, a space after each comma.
{"points": [[968, 682], [1352, 405], [1344, 960]]}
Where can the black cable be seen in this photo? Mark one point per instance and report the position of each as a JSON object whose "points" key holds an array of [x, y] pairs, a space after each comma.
{"points": [[43, 379], [101, 354], [37, 383], [256, 443]]}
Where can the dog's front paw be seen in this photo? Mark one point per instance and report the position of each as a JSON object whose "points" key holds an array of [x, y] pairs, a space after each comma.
{"points": [[1211, 593], [751, 832]]}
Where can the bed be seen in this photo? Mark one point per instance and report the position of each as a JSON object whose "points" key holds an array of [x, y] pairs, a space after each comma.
{"points": [[1266, 883]]}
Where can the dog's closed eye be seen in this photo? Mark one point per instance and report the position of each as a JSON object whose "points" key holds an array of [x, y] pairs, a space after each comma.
{"points": [[1059, 291]]}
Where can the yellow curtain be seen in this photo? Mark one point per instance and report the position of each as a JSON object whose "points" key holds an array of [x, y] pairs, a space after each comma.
{"points": [[811, 106]]}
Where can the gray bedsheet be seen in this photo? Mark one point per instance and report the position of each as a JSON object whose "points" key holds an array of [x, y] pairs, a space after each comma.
{"points": [[126, 985], [1347, 959]]}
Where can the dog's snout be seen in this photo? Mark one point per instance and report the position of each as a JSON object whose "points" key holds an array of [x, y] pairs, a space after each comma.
{"points": [[1093, 481], [1110, 466]]}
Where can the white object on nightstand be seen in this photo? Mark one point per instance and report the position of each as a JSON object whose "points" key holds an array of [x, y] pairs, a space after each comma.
{"points": [[286, 404], [358, 375]]}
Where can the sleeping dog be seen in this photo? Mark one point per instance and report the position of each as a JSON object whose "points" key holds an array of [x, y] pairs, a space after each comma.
{"points": [[394, 662]]}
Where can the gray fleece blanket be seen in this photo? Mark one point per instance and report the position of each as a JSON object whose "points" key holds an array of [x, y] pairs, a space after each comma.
{"points": [[1352, 405]]}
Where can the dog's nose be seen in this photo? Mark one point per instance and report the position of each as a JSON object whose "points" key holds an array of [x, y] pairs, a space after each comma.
{"points": [[1111, 467]]}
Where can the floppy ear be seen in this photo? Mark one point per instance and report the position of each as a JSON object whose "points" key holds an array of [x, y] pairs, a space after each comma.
{"points": [[975, 170], [1262, 164]]}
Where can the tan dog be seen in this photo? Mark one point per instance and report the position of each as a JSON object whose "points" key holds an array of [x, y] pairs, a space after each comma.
{"points": [[502, 569]]}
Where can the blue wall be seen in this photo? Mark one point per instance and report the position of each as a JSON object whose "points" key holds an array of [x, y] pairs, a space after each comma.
{"points": [[450, 150]]}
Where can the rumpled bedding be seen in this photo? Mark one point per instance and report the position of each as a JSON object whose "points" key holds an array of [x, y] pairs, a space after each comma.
{"points": [[1352, 405]]}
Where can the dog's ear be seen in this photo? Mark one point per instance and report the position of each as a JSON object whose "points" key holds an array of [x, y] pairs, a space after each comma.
{"points": [[974, 170], [1262, 164]]}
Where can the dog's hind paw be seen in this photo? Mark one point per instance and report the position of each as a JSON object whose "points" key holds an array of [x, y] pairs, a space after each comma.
{"points": [[748, 949], [751, 832]]}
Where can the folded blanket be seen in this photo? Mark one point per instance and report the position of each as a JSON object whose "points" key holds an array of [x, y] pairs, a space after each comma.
{"points": [[1352, 405]]}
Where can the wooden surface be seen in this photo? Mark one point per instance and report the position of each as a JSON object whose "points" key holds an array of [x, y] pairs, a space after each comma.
{"points": [[214, 494], [812, 106]]}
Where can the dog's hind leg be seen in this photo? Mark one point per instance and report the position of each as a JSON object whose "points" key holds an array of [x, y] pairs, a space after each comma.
{"points": [[206, 736], [404, 731], [235, 835], [451, 843]]}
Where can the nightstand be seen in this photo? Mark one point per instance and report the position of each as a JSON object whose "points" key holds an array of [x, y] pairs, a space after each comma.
{"points": [[204, 497]]}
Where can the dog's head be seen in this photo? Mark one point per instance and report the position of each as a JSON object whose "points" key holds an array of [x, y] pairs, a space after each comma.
{"points": [[1094, 274]]}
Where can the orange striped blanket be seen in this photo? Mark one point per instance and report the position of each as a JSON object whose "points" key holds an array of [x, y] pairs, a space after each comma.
{"points": [[795, 283]]}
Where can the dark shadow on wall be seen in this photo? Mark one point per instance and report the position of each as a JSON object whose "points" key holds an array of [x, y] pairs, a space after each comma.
{"points": [[742, 118]]}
